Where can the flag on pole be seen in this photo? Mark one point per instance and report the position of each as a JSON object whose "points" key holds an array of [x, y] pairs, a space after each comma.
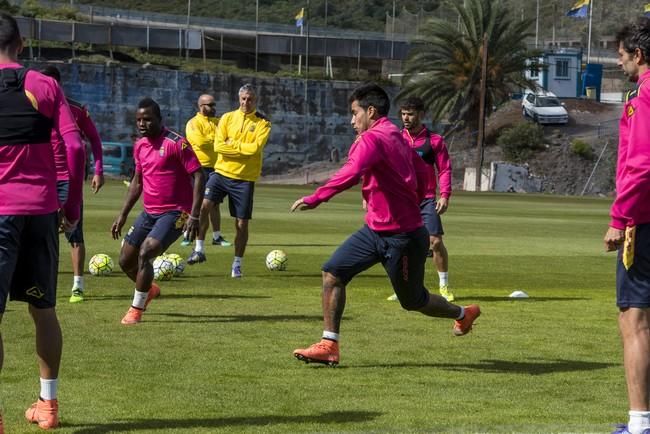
{"points": [[300, 18], [579, 9], [646, 10]]}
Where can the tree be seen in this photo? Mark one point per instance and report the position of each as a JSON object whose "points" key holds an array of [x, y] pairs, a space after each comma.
{"points": [[444, 65]]}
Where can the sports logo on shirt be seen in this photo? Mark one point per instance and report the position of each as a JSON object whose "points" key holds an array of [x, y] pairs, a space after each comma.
{"points": [[630, 110], [252, 128], [184, 144], [35, 292], [161, 152]]}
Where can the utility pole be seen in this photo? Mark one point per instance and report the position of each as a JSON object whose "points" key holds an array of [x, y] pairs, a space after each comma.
{"points": [[257, 19], [481, 112], [187, 31], [537, 26], [591, 13]]}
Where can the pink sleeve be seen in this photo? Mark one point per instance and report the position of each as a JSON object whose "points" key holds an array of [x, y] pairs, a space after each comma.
{"points": [[76, 165], [443, 165], [87, 127], [633, 183], [363, 154], [188, 156]]}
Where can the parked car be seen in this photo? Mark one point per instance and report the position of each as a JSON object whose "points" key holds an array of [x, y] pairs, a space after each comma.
{"points": [[118, 159], [544, 108]]}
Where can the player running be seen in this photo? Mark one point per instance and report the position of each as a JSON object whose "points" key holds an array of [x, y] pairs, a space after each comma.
{"points": [[31, 105], [393, 180], [166, 167], [76, 237]]}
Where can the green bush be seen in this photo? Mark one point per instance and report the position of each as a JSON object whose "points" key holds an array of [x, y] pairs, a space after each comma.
{"points": [[519, 142], [582, 149]]}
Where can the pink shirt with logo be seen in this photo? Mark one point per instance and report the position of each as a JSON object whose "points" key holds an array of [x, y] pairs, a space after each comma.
{"points": [[441, 170], [632, 203], [166, 164], [27, 172], [393, 176]]}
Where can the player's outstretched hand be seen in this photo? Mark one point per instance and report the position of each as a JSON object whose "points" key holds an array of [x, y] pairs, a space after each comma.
{"points": [[300, 205], [116, 228], [614, 239], [191, 228]]}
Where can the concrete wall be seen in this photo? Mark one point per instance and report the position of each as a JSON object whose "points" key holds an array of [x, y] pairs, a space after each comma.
{"points": [[112, 93]]}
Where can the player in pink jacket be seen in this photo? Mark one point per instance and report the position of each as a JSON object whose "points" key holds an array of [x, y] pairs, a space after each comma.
{"points": [[393, 180], [629, 228]]}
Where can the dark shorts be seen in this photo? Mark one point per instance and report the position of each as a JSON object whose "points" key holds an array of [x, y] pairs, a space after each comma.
{"points": [[166, 228], [430, 217], [402, 255], [633, 285], [207, 171], [62, 190], [77, 235], [29, 259], [240, 194]]}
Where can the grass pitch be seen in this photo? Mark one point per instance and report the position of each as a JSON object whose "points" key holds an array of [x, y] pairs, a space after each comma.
{"points": [[214, 354]]}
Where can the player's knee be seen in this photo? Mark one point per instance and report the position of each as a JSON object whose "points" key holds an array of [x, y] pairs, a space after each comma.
{"points": [[331, 281], [436, 243]]}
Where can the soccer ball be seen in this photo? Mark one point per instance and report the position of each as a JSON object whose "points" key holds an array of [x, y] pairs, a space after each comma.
{"points": [[276, 260], [179, 264], [163, 268], [100, 265]]}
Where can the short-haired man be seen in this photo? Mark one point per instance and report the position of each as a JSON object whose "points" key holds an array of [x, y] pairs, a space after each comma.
{"points": [[239, 143], [393, 180], [169, 175], [629, 227], [200, 132], [31, 105], [431, 147], [89, 132]]}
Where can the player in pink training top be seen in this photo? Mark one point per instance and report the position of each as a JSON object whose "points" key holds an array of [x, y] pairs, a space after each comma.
{"points": [[393, 185], [76, 237], [31, 105], [165, 169], [629, 228]]}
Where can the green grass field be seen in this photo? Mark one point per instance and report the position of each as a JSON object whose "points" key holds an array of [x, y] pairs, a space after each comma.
{"points": [[213, 354]]}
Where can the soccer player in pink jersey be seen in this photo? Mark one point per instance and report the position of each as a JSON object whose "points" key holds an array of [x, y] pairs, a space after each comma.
{"points": [[393, 180], [629, 227], [76, 237], [168, 175], [31, 105]]}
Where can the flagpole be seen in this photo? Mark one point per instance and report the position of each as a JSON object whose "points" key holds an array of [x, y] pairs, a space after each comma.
{"points": [[591, 12], [300, 55]]}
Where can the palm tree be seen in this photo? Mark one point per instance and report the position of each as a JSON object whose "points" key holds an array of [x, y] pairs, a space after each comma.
{"points": [[444, 67]]}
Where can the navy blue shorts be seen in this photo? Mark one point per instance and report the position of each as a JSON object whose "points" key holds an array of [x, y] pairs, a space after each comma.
{"points": [[77, 235], [430, 217], [166, 228], [240, 194], [207, 171], [29, 259], [633, 285], [62, 190], [403, 256]]}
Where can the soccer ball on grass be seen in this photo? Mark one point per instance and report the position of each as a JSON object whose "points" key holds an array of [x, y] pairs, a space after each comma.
{"points": [[276, 260], [179, 263], [163, 268], [100, 265]]}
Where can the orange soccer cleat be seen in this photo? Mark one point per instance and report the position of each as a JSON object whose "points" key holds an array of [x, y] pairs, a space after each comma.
{"points": [[463, 326], [44, 413], [133, 316], [154, 292], [325, 352]]}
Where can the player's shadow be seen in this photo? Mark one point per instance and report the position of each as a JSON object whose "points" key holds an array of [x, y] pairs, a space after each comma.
{"points": [[532, 299], [495, 366], [197, 318], [334, 417]]}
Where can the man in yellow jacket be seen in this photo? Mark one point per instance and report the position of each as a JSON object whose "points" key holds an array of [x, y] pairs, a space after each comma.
{"points": [[200, 131], [239, 143]]}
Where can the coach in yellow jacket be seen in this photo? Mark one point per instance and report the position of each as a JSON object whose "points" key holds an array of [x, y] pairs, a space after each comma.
{"points": [[239, 143], [200, 131]]}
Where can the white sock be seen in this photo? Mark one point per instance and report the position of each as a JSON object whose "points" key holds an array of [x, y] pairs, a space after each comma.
{"points": [[237, 261], [216, 235], [78, 282], [330, 335], [639, 421], [48, 388], [139, 298], [443, 277], [462, 313], [199, 246], [186, 235]]}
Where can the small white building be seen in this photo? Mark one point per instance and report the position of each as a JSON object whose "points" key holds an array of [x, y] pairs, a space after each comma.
{"points": [[558, 71]]}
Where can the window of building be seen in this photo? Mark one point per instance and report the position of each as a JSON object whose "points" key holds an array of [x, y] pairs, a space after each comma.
{"points": [[562, 68]]}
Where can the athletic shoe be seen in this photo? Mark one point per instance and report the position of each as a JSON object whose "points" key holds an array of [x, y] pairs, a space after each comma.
{"points": [[447, 294], [325, 352], [235, 272], [186, 242], [77, 295], [220, 241], [133, 316], [622, 429], [44, 413], [463, 326], [154, 292], [392, 297], [196, 258]]}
